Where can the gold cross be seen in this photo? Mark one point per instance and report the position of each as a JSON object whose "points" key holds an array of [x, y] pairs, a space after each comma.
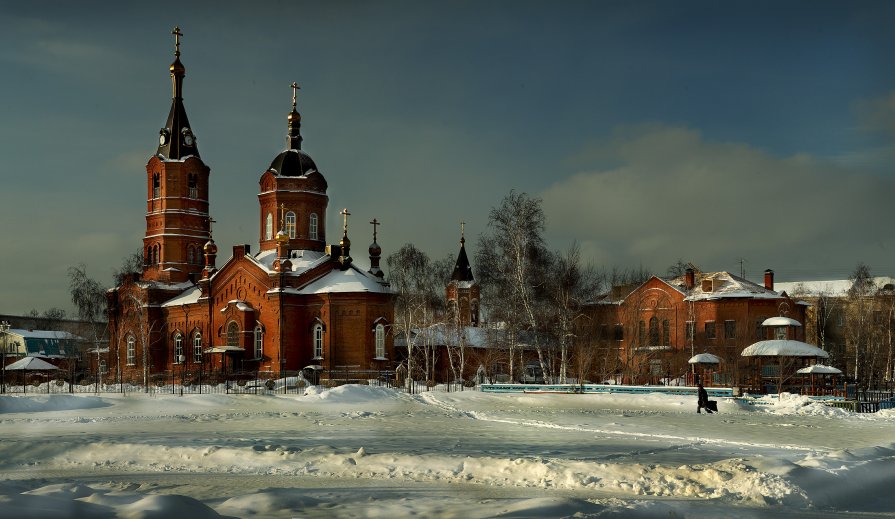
{"points": [[375, 222], [177, 34], [210, 221], [282, 216], [462, 229], [345, 214], [295, 88]]}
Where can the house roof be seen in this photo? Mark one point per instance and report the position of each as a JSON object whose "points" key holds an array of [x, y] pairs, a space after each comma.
{"points": [[831, 287]]}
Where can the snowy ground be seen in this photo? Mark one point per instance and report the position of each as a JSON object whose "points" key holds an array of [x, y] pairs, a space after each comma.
{"points": [[360, 451]]}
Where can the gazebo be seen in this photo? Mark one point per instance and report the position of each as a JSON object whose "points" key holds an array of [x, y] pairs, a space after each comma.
{"points": [[777, 358], [30, 363], [824, 373], [706, 364]]}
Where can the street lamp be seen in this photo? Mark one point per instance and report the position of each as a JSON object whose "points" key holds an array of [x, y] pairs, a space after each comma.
{"points": [[180, 360], [4, 327]]}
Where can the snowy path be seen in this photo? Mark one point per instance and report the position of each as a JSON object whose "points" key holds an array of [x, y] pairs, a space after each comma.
{"points": [[370, 452]]}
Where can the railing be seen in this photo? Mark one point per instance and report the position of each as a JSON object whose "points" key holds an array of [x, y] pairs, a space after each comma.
{"points": [[242, 382]]}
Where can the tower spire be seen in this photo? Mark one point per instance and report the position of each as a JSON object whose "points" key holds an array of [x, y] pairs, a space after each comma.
{"points": [[293, 138], [176, 139], [345, 243], [375, 253], [462, 269]]}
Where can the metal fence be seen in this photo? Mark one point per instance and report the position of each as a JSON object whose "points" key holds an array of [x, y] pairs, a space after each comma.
{"points": [[240, 382]]}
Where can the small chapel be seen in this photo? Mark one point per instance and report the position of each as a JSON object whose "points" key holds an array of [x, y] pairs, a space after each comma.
{"points": [[297, 302]]}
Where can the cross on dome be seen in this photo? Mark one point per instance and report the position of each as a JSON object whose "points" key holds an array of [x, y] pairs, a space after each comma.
{"points": [[177, 34], [375, 223], [295, 88], [345, 214]]}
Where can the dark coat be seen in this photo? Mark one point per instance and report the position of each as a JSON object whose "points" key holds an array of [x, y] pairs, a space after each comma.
{"points": [[703, 397]]}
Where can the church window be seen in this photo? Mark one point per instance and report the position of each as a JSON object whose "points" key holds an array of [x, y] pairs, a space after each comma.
{"points": [[318, 341], [190, 253], [312, 226], [290, 224], [197, 348], [178, 348], [710, 329], [653, 331], [268, 227], [259, 342], [666, 333], [131, 350], [156, 186], [232, 334], [380, 341], [193, 185], [730, 329], [641, 331]]}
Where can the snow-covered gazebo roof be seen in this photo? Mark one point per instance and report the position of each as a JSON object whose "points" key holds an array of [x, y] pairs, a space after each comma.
{"points": [[31, 364], [820, 369], [783, 348], [705, 358], [780, 321]]}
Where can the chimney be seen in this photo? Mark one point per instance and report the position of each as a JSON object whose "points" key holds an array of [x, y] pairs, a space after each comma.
{"points": [[769, 279], [689, 279]]}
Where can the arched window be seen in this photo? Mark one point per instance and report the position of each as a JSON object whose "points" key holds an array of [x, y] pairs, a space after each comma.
{"points": [[259, 342], [318, 341], [312, 226], [178, 348], [131, 350], [190, 255], [156, 257], [268, 227], [197, 348], [641, 332], [156, 186], [232, 334], [193, 185], [653, 331], [666, 333], [290, 224], [380, 341]]}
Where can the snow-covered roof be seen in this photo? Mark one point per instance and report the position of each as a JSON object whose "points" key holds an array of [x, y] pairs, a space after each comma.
{"points": [[301, 260], [705, 358], [44, 334], [724, 285], [242, 306], [440, 334], [780, 321], [190, 296], [30, 363], [829, 287], [783, 348], [342, 281], [821, 370]]}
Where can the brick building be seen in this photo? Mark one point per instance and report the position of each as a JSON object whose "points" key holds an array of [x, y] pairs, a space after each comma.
{"points": [[647, 333], [296, 302]]}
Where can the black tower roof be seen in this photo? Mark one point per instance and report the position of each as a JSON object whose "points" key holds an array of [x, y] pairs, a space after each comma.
{"points": [[176, 139]]}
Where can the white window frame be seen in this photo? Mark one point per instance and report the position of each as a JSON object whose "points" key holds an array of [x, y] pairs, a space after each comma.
{"points": [[318, 341], [131, 350], [178, 347], [380, 341], [290, 225], [312, 226], [259, 342], [197, 347], [268, 229]]}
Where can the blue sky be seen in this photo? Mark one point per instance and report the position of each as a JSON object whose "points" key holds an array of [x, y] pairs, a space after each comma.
{"points": [[706, 131]]}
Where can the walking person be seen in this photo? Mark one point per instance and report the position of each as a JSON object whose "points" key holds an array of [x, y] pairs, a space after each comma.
{"points": [[702, 400]]}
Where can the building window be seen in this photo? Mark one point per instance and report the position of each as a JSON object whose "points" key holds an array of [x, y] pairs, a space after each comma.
{"points": [[290, 225], [193, 186], [641, 331], [233, 334], [318, 341], [259, 342], [710, 329], [380, 341], [730, 330], [840, 320], [312, 226], [131, 350], [190, 255], [691, 330], [197, 348], [666, 333], [268, 227], [653, 331], [760, 333], [618, 333], [178, 348], [102, 366], [156, 186]]}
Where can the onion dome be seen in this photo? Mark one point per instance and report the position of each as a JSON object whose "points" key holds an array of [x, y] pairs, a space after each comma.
{"points": [[293, 163], [210, 247]]}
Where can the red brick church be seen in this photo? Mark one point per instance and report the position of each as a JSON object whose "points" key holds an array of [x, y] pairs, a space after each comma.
{"points": [[297, 301]]}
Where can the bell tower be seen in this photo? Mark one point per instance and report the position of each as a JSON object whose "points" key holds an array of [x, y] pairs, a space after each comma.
{"points": [[177, 218], [463, 291]]}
